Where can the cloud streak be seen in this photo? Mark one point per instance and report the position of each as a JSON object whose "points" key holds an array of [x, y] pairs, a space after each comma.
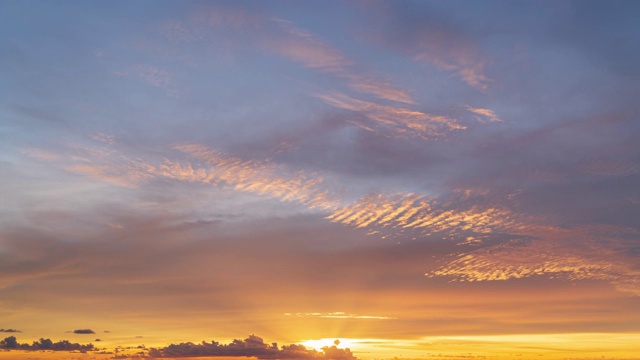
{"points": [[400, 122], [339, 315], [588, 253], [261, 178], [311, 51], [485, 115]]}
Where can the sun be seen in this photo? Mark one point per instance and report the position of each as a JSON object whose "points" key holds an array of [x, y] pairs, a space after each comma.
{"points": [[328, 342]]}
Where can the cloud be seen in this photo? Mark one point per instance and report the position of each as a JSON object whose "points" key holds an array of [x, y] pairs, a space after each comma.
{"points": [[10, 330], [585, 253], [462, 61], [252, 346], [285, 38], [427, 36], [379, 88], [83, 331], [39, 154], [398, 121], [340, 315], [301, 46], [99, 163], [262, 178], [447, 215], [105, 138], [11, 343], [487, 115], [429, 215], [308, 49], [103, 174]]}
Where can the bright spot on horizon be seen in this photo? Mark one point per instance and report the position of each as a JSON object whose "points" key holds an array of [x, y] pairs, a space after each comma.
{"points": [[340, 343]]}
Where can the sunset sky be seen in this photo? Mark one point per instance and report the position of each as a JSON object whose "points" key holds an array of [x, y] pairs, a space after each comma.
{"points": [[416, 179]]}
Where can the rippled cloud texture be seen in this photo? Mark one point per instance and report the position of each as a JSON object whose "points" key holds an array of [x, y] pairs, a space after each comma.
{"points": [[390, 171]]}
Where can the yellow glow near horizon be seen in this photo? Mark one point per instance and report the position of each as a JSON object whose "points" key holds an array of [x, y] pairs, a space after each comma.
{"points": [[341, 343], [545, 346]]}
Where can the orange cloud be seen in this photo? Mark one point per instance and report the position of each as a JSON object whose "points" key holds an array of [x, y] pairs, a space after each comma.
{"points": [[414, 211], [574, 254], [487, 115], [286, 39], [400, 121], [306, 48], [378, 88], [261, 178]]}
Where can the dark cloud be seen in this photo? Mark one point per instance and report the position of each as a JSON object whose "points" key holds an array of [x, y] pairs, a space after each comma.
{"points": [[251, 346], [44, 344], [10, 330], [83, 331]]}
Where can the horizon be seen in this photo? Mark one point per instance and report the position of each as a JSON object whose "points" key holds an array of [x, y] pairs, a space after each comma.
{"points": [[345, 179]]}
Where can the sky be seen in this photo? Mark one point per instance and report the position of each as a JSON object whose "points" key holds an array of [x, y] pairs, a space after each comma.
{"points": [[415, 179]]}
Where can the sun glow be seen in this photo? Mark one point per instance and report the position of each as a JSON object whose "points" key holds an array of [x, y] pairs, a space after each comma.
{"points": [[329, 342]]}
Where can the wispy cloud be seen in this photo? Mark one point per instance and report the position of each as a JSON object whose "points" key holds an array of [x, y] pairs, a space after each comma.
{"points": [[339, 315], [396, 120], [572, 254], [378, 88], [308, 49], [428, 215], [285, 38], [610, 167], [122, 171], [37, 153], [105, 138], [10, 330], [485, 115], [434, 41], [463, 63], [261, 178], [550, 253]]}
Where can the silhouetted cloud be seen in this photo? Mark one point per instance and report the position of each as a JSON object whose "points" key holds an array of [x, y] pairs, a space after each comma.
{"points": [[83, 331], [11, 343], [10, 330], [251, 346]]}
